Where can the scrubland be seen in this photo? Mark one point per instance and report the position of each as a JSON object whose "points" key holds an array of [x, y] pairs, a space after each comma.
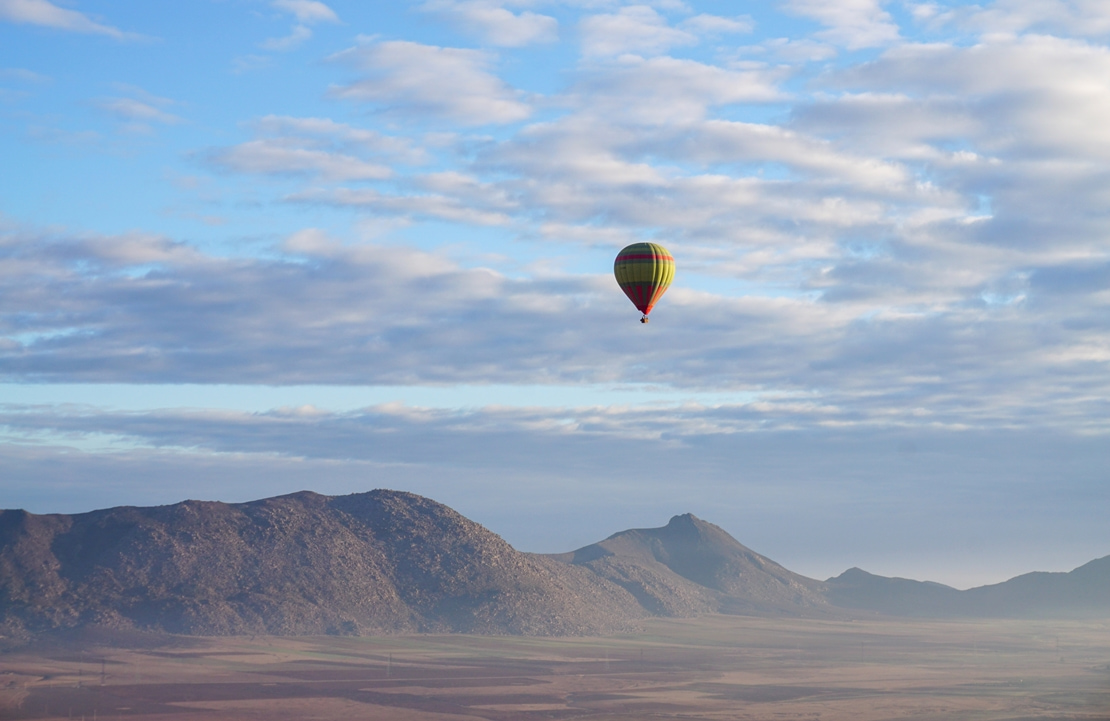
{"points": [[714, 667]]}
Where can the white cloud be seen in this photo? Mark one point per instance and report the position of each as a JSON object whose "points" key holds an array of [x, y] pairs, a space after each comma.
{"points": [[250, 63], [1070, 17], [24, 75], [431, 82], [137, 113], [319, 147], [704, 24], [1033, 98], [795, 51], [342, 134], [307, 11], [669, 90], [436, 206], [46, 14], [853, 24], [290, 157], [293, 40], [496, 25], [130, 109], [632, 29]]}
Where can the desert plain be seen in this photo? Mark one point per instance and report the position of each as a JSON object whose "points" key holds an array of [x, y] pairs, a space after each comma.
{"points": [[714, 667]]}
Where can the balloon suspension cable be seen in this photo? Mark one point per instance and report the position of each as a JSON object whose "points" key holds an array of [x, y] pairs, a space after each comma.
{"points": [[644, 319]]}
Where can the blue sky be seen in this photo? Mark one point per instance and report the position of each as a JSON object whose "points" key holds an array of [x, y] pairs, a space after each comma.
{"points": [[249, 247]]}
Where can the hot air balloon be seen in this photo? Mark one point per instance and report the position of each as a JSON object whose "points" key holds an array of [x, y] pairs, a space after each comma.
{"points": [[644, 270]]}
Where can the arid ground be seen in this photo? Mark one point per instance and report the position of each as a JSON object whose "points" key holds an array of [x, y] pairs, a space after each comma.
{"points": [[718, 667]]}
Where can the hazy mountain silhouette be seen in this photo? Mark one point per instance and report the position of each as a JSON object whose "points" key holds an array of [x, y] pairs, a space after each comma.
{"points": [[387, 562], [856, 588], [691, 566], [1083, 592]]}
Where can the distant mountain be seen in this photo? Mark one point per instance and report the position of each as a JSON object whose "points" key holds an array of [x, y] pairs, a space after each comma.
{"points": [[389, 562], [1084, 592], [856, 588], [375, 562], [691, 566]]}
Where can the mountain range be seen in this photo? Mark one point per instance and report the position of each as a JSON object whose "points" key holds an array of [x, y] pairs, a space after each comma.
{"points": [[391, 562]]}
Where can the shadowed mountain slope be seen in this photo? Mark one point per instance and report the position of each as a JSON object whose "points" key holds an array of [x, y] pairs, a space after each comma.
{"points": [[691, 566], [378, 562]]}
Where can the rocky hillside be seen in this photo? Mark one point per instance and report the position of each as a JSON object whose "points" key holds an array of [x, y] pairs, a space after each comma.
{"points": [[390, 562], [691, 566], [378, 562]]}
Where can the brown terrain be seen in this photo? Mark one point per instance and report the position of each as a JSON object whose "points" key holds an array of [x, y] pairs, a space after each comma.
{"points": [[713, 667]]}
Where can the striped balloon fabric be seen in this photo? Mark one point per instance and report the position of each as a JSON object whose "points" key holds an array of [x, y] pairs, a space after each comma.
{"points": [[644, 270]]}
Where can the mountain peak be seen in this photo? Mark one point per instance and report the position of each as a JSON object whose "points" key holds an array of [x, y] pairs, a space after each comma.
{"points": [[689, 551]]}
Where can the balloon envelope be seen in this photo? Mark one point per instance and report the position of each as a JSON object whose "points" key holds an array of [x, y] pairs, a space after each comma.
{"points": [[644, 270]]}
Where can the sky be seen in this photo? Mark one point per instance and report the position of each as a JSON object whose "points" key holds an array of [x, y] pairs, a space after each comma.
{"points": [[250, 247]]}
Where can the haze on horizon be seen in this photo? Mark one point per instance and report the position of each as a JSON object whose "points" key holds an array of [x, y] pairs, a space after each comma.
{"points": [[250, 247]]}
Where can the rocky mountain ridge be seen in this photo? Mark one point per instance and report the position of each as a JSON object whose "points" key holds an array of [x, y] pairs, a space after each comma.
{"points": [[393, 562], [377, 562]]}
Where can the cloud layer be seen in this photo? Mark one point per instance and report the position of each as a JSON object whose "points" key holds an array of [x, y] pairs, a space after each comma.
{"points": [[142, 309]]}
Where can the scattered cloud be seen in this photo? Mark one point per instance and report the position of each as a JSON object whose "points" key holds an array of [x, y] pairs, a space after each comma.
{"points": [[638, 29], [307, 12], [431, 83], [495, 24], [704, 24], [318, 147], [24, 75], [293, 40], [279, 156], [1085, 18], [853, 24], [138, 113], [794, 51], [665, 90], [436, 206], [47, 14], [251, 63]]}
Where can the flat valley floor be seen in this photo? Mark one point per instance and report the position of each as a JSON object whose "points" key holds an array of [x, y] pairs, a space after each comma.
{"points": [[718, 667]]}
